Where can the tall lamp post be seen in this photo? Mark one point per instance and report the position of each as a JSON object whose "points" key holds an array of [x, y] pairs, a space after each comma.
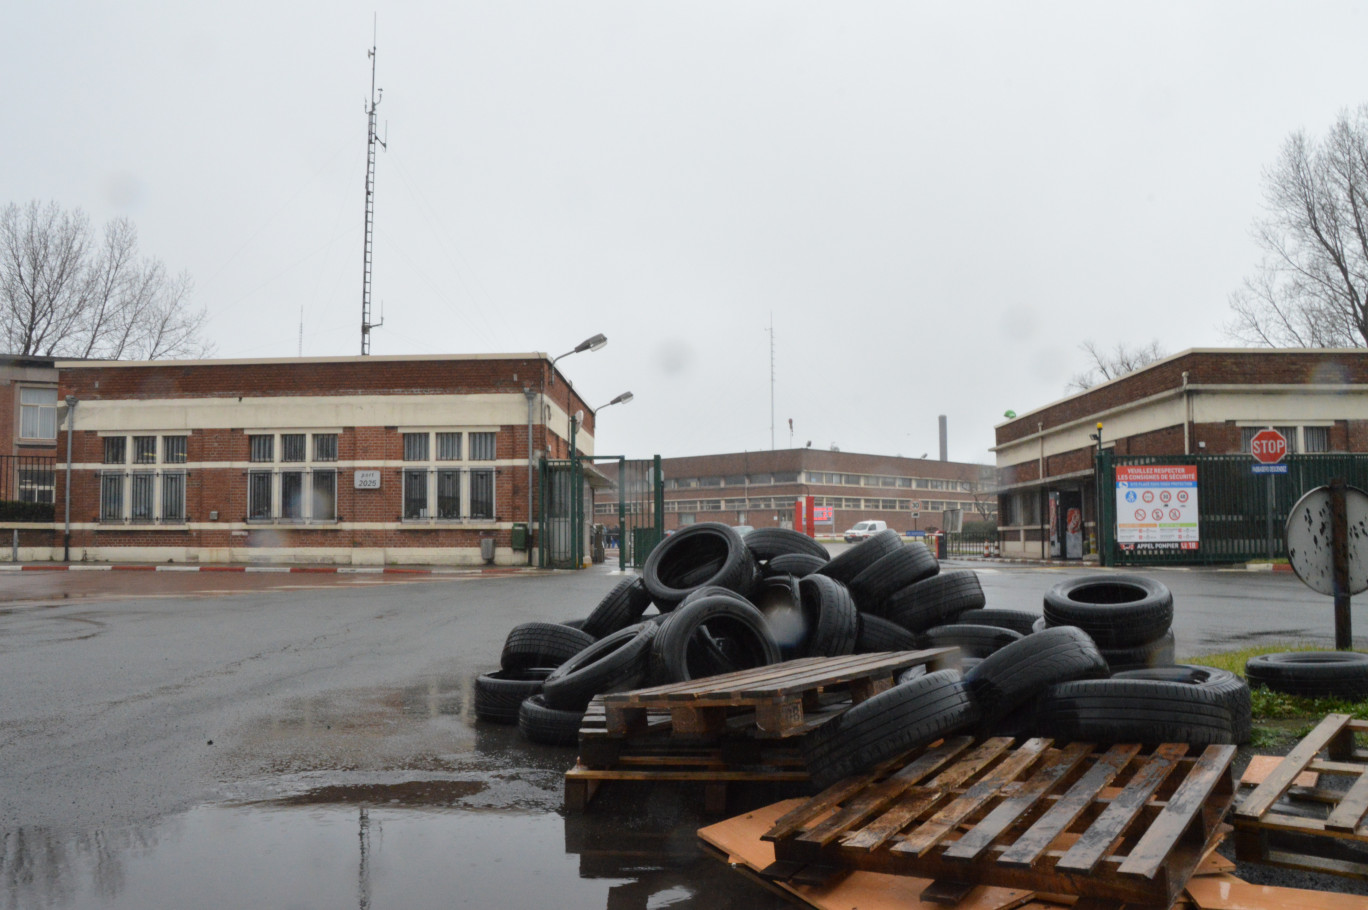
{"points": [[1097, 482], [71, 402]]}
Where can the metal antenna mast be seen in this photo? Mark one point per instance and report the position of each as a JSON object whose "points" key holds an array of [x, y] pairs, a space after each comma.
{"points": [[771, 334], [372, 141]]}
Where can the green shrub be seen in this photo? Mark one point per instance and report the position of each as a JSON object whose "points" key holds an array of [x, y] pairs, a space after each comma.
{"points": [[39, 512]]}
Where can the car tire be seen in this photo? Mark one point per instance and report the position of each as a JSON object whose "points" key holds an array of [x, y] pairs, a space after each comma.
{"points": [[935, 601], [861, 556], [973, 641], [1229, 688], [709, 553], [1118, 611], [1158, 653], [1311, 674], [1016, 620], [1019, 671], [1135, 710], [620, 608], [770, 543], [499, 695], [911, 714], [799, 564], [540, 723], [613, 664], [830, 616], [905, 566], [877, 634], [710, 636], [542, 644]]}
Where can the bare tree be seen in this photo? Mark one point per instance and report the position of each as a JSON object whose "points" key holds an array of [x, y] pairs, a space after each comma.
{"points": [[1311, 289], [984, 488], [1109, 365], [63, 293]]}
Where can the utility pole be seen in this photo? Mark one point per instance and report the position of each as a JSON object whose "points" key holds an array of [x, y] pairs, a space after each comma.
{"points": [[771, 335], [372, 141]]}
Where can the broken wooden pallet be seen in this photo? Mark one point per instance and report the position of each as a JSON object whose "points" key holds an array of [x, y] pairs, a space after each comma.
{"points": [[1119, 825], [1266, 832], [781, 700]]}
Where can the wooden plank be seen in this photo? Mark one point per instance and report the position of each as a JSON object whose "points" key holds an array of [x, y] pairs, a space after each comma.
{"points": [[1226, 892], [886, 662], [945, 892], [773, 679], [1260, 766], [1010, 810], [780, 717], [939, 826], [908, 808], [1348, 815], [1182, 812], [1037, 839], [1095, 842], [876, 798], [682, 775], [1267, 793]]}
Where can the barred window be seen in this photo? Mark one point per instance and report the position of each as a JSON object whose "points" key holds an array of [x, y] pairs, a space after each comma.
{"points": [[142, 488], [415, 494], [173, 494], [448, 494], [263, 448], [482, 494], [449, 446], [325, 446], [324, 505], [415, 446], [292, 447], [144, 450], [173, 449], [115, 450], [292, 495], [259, 495], [482, 447], [111, 497]]}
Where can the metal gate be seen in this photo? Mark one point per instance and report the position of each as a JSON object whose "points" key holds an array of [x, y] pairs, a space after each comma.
{"points": [[640, 510], [1233, 504]]}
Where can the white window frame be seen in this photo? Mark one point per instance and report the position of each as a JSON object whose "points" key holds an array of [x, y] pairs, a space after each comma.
{"points": [[311, 469], [120, 479], [431, 467], [41, 408]]}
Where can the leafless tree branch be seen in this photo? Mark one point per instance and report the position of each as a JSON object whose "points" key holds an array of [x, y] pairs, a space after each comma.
{"points": [[1108, 365]]}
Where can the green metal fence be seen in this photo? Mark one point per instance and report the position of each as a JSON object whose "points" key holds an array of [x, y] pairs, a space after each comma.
{"points": [[1234, 505], [641, 510], [640, 513]]}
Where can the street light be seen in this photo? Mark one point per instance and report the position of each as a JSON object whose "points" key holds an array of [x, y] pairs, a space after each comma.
{"points": [[621, 399], [593, 343]]}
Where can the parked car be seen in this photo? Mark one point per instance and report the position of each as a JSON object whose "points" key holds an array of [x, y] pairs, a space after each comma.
{"points": [[864, 530]]}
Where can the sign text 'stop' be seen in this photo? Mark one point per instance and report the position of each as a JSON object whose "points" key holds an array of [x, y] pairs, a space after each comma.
{"points": [[1268, 446]]}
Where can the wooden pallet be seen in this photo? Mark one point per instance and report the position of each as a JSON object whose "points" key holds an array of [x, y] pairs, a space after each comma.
{"points": [[1114, 825], [781, 700], [1266, 834]]}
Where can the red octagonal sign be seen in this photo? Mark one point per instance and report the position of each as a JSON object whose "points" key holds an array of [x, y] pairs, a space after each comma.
{"points": [[1268, 446]]}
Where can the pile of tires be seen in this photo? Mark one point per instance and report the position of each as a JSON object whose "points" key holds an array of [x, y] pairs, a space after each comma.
{"points": [[1130, 617]]}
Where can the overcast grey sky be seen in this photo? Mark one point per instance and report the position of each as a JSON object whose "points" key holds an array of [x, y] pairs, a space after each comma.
{"points": [[937, 202]]}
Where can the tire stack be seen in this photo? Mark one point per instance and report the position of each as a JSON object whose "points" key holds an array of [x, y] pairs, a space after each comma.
{"points": [[1130, 617]]}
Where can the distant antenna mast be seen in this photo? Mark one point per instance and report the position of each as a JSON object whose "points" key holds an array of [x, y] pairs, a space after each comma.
{"points": [[372, 141], [301, 331], [771, 335]]}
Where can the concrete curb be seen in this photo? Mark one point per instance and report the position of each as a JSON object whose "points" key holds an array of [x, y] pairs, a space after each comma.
{"points": [[310, 570]]}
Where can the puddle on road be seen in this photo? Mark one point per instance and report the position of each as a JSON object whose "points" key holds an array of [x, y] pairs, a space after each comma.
{"points": [[340, 855]]}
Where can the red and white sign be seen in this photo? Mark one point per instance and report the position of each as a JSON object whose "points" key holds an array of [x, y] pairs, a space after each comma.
{"points": [[1268, 446], [1171, 520]]}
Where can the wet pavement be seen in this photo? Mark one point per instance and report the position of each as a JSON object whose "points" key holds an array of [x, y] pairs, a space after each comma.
{"points": [[185, 740]]}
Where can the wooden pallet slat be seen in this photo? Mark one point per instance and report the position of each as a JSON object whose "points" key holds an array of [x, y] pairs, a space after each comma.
{"points": [[1348, 815], [1268, 792], [1182, 815]]}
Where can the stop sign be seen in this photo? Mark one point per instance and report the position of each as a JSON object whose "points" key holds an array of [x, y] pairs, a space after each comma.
{"points": [[1268, 446]]}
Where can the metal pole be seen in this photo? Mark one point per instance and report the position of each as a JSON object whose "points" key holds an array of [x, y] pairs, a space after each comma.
{"points": [[574, 495], [1269, 517], [531, 403], [622, 514], [1339, 555], [71, 402]]}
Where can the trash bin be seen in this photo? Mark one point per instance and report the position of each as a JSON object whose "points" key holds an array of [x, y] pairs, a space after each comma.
{"points": [[487, 549]]}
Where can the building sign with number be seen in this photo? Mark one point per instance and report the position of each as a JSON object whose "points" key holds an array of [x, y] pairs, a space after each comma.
{"points": [[1157, 503], [367, 480]]}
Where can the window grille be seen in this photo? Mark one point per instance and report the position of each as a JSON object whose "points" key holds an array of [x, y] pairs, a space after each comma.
{"points": [[448, 446], [292, 447], [173, 495], [482, 494], [111, 497], [259, 495], [448, 494], [415, 494], [292, 494], [415, 446], [144, 450], [263, 448], [325, 446], [324, 495], [115, 450], [482, 447], [142, 488], [173, 449]]}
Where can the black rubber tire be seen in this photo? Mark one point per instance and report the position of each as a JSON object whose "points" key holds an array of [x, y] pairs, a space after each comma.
{"points": [[1118, 611], [1018, 672], [1159, 653], [541, 723], [620, 608], [829, 613], [935, 601], [799, 564], [864, 554], [905, 566], [1135, 710], [713, 635], [708, 553], [613, 664], [911, 714], [498, 695], [542, 644], [707, 591], [574, 623], [1016, 620], [1232, 691], [973, 641], [1040, 625], [769, 543], [878, 634], [780, 600], [1312, 674]]}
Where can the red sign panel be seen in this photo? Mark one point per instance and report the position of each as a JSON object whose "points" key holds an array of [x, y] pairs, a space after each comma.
{"points": [[1268, 446]]}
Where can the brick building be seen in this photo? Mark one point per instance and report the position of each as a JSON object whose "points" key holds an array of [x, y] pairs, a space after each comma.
{"points": [[337, 460], [1201, 401], [28, 427], [760, 488]]}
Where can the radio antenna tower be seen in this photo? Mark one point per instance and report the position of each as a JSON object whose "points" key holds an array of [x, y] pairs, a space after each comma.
{"points": [[372, 141], [771, 335]]}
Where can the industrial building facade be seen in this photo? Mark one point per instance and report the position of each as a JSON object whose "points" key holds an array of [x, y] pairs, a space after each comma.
{"points": [[1198, 402], [342, 461]]}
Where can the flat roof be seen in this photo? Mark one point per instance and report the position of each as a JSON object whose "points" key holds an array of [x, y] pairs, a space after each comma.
{"points": [[349, 358]]}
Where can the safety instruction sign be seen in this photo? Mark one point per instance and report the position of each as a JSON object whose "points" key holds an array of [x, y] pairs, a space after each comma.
{"points": [[1156, 503]]}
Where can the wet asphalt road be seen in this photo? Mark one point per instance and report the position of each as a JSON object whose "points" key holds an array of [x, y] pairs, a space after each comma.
{"points": [[277, 740]]}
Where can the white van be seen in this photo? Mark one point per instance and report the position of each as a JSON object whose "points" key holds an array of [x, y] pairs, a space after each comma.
{"points": [[864, 530]]}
